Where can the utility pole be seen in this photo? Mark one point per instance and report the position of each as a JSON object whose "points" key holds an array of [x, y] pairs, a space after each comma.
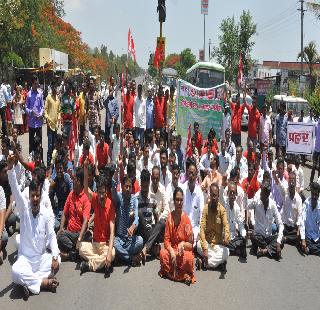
{"points": [[204, 37], [210, 49], [302, 10]]}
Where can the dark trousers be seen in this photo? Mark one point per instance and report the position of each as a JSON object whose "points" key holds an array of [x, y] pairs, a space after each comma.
{"points": [[67, 241], [315, 165], [237, 246], [3, 120], [11, 222], [139, 134], [314, 247], [269, 243], [81, 133], [107, 134], [52, 137], [33, 132], [290, 234], [236, 139]]}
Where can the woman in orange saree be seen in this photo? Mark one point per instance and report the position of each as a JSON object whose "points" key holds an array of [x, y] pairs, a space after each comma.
{"points": [[176, 259]]}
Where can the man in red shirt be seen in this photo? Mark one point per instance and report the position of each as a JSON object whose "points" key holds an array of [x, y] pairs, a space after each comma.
{"points": [[250, 185], [237, 111], [100, 253], [160, 111], [86, 154], [254, 121], [128, 104], [75, 218], [102, 152], [198, 137], [31, 165]]}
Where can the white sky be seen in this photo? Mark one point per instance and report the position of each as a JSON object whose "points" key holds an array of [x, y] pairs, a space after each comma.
{"points": [[107, 22]]}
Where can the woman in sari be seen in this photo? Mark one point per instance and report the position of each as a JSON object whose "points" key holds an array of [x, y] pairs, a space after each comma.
{"points": [[176, 259]]}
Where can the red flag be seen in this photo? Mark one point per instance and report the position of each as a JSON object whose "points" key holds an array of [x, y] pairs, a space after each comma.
{"points": [[131, 46], [189, 146], [73, 133], [156, 59], [240, 72]]}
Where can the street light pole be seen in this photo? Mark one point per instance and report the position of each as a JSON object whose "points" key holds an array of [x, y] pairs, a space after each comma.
{"points": [[204, 37]]}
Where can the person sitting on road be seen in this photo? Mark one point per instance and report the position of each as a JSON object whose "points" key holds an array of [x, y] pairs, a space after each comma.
{"points": [[241, 162], [127, 244], [74, 220], [310, 223], [35, 267], [176, 258], [291, 211], [99, 253], [264, 243], [3, 232], [214, 233]]}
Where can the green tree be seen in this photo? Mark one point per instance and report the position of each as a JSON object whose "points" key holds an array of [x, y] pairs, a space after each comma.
{"points": [[236, 38], [310, 55], [187, 60]]}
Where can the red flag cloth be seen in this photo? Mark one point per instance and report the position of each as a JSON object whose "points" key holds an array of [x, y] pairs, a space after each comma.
{"points": [[240, 72], [156, 59], [73, 134], [189, 146], [131, 46]]}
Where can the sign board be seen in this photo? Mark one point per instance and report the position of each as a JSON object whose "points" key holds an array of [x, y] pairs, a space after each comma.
{"points": [[263, 86], [59, 60], [204, 7], [300, 138], [161, 46], [202, 105], [201, 55]]}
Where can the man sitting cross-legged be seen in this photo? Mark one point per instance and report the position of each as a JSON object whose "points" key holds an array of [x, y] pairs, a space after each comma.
{"points": [[75, 217], [100, 253], [35, 268]]}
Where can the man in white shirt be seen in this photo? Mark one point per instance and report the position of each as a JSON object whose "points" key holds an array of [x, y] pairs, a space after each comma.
{"points": [[35, 267], [240, 162], [3, 232], [291, 212], [204, 163], [230, 146], [144, 162], [226, 123], [4, 98], [165, 174], [193, 201], [265, 129], [139, 116], [263, 241], [224, 160], [237, 243]]}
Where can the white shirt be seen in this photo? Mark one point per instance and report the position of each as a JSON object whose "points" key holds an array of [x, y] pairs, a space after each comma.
{"points": [[139, 113], [291, 211], [235, 219], [264, 219], [34, 231], [231, 149], [224, 163], [21, 175], [3, 201], [160, 197], [115, 148], [205, 161], [265, 128], [142, 166], [243, 165], [193, 204], [166, 182], [226, 123], [241, 199]]}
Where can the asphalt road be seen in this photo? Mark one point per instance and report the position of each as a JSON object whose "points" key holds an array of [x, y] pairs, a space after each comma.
{"points": [[292, 283]]}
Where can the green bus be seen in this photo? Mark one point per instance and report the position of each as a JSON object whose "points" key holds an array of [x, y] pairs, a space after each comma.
{"points": [[206, 74]]}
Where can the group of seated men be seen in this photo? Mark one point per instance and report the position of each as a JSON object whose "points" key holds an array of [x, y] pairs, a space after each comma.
{"points": [[98, 209]]}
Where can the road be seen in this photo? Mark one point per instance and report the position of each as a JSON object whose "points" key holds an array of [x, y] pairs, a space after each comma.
{"points": [[292, 283]]}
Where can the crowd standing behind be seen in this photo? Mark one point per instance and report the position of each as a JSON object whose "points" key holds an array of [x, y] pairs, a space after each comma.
{"points": [[115, 195]]}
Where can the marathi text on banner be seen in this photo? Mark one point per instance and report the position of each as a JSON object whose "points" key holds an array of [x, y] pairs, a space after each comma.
{"points": [[202, 105], [300, 138]]}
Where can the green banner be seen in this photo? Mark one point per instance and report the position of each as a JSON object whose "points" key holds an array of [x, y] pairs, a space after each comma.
{"points": [[202, 105]]}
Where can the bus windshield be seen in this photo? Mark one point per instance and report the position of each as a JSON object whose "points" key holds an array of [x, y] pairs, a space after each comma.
{"points": [[207, 78]]}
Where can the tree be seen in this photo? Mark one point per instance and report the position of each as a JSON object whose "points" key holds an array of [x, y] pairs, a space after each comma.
{"points": [[315, 7], [187, 60], [171, 60], [310, 55], [235, 39]]}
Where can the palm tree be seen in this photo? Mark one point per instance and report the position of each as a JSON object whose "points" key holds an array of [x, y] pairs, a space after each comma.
{"points": [[310, 55]]}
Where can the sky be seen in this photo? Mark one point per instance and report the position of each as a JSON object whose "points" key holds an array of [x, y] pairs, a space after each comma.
{"points": [[107, 22]]}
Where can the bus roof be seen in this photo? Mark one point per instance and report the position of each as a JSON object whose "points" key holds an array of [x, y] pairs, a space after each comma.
{"points": [[289, 99], [206, 65]]}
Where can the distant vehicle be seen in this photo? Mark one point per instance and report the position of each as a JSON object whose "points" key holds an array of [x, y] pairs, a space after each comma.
{"points": [[245, 116], [206, 74], [295, 104], [169, 78]]}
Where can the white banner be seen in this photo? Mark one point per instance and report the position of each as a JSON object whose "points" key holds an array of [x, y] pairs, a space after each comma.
{"points": [[300, 138]]}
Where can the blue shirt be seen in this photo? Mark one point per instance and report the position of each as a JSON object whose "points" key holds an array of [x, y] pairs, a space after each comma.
{"points": [[123, 221], [281, 129], [150, 113], [112, 110], [35, 105], [310, 223]]}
